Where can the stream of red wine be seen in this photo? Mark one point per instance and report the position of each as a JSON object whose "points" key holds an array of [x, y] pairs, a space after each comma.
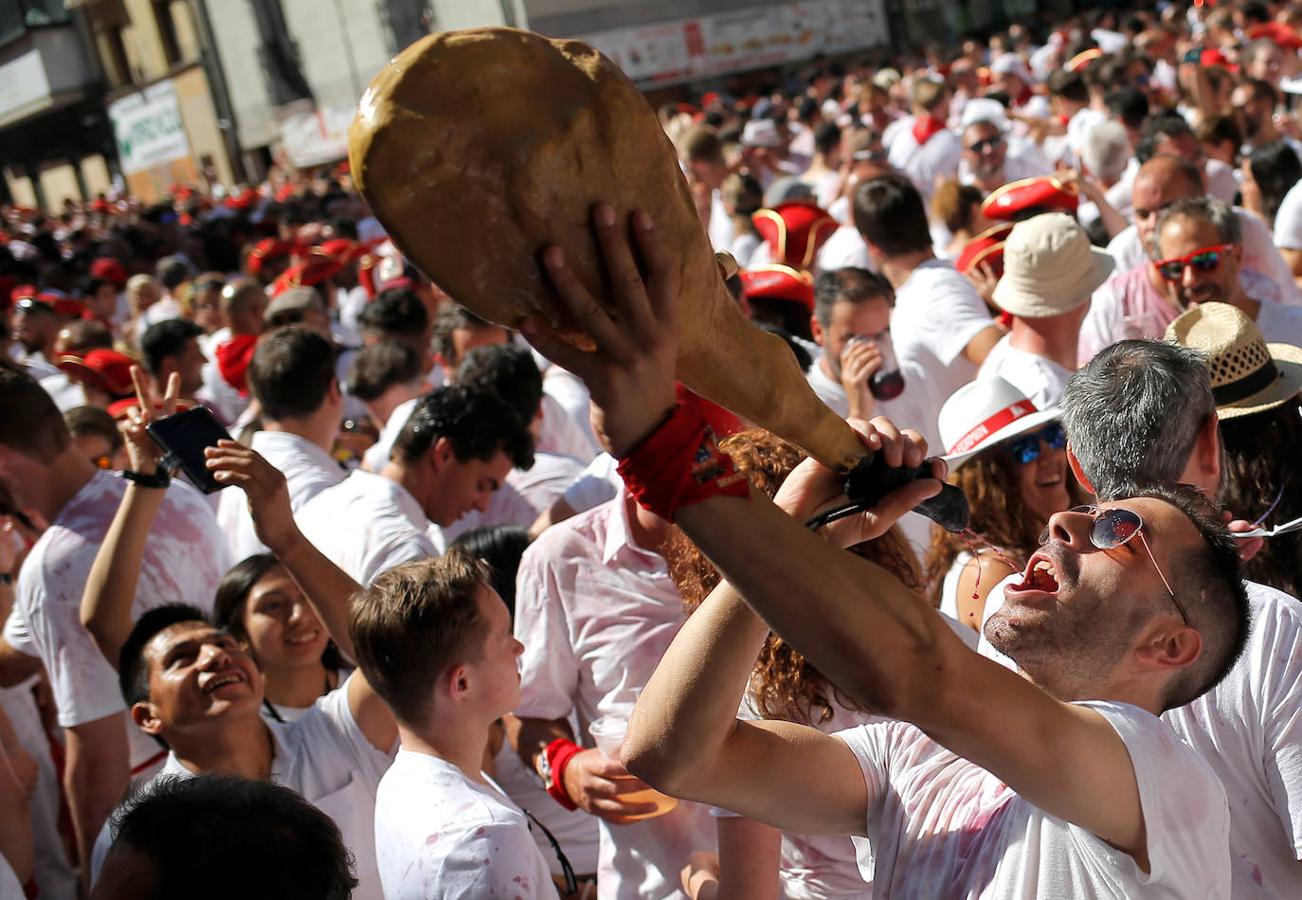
{"points": [[971, 538]]}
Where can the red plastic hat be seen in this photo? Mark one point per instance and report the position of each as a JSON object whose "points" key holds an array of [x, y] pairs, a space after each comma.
{"points": [[233, 358], [108, 370], [64, 306], [309, 273], [722, 422], [243, 200], [794, 231], [987, 247], [1281, 34], [1215, 57], [23, 292], [110, 270], [778, 282], [343, 250], [265, 249], [1043, 192]]}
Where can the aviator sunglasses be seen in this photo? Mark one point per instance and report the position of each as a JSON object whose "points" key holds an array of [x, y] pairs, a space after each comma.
{"points": [[1205, 259], [1115, 527], [1026, 448]]}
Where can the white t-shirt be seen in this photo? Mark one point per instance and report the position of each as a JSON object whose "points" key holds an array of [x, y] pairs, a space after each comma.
{"points": [[575, 830], [376, 455], [846, 248], [1038, 377], [597, 484], [595, 613], [1259, 254], [441, 836], [1249, 729], [937, 313], [184, 560], [828, 389], [924, 164], [366, 524], [562, 435], [326, 759], [308, 470], [941, 826], [1288, 220], [216, 391]]}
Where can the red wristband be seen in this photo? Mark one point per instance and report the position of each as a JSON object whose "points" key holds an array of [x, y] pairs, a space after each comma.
{"points": [[679, 464], [558, 754]]}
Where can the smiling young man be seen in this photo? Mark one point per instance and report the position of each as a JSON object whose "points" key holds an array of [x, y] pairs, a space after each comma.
{"points": [[454, 452], [1060, 783]]}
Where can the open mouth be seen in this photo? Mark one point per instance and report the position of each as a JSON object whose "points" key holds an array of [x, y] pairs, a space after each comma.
{"points": [[1050, 481], [1040, 575], [220, 681], [301, 639]]}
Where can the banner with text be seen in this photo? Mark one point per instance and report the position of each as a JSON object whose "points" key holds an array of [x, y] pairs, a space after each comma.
{"points": [[147, 125]]}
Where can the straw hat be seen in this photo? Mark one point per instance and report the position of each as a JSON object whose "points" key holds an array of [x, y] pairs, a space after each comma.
{"points": [[984, 412], [1248, 375], [1050, 267]]}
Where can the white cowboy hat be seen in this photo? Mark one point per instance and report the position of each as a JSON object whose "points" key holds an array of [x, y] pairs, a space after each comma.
{"points": [[984, 412]]}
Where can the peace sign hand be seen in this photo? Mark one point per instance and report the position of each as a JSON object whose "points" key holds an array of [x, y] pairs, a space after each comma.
{"points": [[143, 452]]}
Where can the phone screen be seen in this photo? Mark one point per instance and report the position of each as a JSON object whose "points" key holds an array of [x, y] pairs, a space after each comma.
{"points": [[184, 436]]}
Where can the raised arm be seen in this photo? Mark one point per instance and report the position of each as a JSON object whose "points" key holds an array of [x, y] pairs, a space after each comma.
{"points": [[853, 620], [326, 586], [111, 585]]}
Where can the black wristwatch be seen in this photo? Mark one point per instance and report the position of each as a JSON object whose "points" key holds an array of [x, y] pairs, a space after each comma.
{"points": [[159, 479]]}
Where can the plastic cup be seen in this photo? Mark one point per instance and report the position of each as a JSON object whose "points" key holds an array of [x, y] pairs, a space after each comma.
{"points": [[608, 734]]}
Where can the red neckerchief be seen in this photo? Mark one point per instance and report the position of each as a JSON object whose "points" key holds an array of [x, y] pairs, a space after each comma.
{"points": [[924, 127], [1024, 97], [233, 358]]}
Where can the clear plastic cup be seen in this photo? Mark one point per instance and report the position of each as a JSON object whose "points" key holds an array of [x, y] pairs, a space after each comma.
{"points": [[608, 734]]}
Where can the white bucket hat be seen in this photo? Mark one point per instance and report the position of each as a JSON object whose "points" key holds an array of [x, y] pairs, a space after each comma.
{"points": [[1050, 267], [984, 412]]}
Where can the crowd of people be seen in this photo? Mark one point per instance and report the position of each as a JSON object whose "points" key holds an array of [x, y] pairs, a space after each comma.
{"points": [[464, 612]]}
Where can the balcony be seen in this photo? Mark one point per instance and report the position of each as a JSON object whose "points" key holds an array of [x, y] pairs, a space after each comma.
{"points": [[43, 67]]}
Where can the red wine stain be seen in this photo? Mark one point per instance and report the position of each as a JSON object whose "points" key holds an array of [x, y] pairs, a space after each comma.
{"points": [[971, 538]]}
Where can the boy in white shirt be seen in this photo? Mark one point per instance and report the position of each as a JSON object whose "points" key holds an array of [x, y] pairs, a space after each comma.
{"points": [[435, 640]]}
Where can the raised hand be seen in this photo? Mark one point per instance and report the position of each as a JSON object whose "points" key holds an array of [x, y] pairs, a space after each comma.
{"points": [[142, 451], [861, 359], [263, 484], [630, 373]]}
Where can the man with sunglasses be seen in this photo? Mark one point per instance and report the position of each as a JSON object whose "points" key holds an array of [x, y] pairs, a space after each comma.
{"points": [[1248, 727], [1197, 253], [1060, 783]]}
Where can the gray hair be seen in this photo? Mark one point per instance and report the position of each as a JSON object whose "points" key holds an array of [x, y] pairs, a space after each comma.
{"points": [[1133, 413], [1208, 208], [1106, 152]]}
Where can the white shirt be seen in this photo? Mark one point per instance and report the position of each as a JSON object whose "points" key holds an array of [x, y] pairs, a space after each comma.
{"points": [[595, 613], [925, 163], [326, 759], [216, 391], [308, 470], [937, 313], [844, 249], [561, 434], [441, 836], [828, 389], [1249, 729], [161, 310], [366, 524], [941, 826], [376, 455], [1038, 377], [1259, 254], [184, 560], [597, 484], [1288, 220], [1022, 160], [568, 390]]}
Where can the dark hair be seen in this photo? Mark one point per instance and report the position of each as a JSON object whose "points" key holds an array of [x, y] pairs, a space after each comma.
{"points": [[788, 316], [133, 668], [212, 837], [1276, 169], [1129, 104], [164, 340], [173, 271], [1208, 582], [378, 367], [91, 420], [827, 135], [848, 285], [1255, 12], [29, 421], [477, 422], [1260, 458], [291, 372], [1069, 86], [396, 311], [510, 371], [87, 334], [413, 623], [450, 320], [233, 593], [500, 548], [1215, 130], [90, 286], [1157, 128], [889, 213]]}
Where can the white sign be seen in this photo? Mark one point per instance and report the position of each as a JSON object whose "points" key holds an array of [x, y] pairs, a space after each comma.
{"points": [[147, 125], [684, 49], [316, 136], [23, 83]]}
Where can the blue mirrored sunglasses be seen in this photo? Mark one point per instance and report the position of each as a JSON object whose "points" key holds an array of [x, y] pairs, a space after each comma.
{"points": [[1026, 448]]}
